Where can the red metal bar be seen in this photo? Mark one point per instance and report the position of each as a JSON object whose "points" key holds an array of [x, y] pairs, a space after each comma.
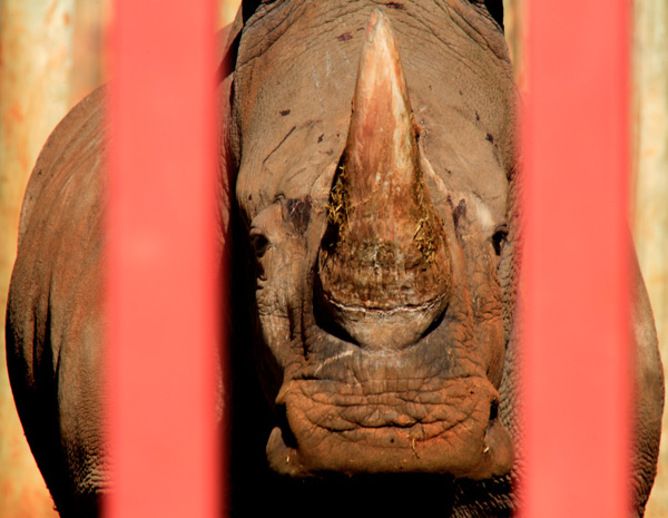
{"points": [[576, 361], [161, 261]]}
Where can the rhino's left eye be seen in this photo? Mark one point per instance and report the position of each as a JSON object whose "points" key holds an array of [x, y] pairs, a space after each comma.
{"points": [[259, 244]]}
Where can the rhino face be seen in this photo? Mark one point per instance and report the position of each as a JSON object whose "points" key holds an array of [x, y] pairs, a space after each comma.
{"points": [[373, 166]]}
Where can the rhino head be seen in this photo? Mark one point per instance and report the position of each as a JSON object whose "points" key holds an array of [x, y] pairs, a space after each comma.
{"points": [[374, 151]]}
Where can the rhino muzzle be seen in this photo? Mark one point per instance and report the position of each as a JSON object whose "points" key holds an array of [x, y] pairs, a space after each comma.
{"points": [[384, 268]]}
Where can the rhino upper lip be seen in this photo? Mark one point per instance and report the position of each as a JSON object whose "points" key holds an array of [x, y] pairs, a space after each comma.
{"points": [[354, 365], [334, 331], [330, 355]]}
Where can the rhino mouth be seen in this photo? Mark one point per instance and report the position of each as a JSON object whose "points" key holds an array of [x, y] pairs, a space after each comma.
{"points": [[423, 409]]}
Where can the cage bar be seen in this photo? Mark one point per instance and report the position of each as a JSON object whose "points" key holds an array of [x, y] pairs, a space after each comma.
{"points": [[161, 265], [576, 362]]}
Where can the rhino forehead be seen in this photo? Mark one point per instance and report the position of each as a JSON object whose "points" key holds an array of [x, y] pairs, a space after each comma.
{"points": [[300, 164], [295, 78]]}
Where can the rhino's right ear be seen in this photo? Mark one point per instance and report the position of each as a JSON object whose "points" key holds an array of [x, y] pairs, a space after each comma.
{"points": [[248, 7], [495, 8]]}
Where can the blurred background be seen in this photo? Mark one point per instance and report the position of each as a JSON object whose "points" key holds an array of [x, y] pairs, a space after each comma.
{"points": [[52, 55]]}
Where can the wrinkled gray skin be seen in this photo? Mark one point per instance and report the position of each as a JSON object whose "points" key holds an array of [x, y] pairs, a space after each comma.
{"points": [[295, 67]]}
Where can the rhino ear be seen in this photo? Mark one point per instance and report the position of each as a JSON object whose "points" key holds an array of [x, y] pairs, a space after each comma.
{"points": [[495, 8], [248, 7]]}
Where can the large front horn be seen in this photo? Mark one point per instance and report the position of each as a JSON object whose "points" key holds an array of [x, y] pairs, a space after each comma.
{"points": [[384, 267]]}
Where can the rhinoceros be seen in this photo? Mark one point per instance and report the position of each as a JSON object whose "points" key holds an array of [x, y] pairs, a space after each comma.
{"points": [[368, 195]]}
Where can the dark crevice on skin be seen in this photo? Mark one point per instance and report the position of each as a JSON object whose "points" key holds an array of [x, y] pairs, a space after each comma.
{"points": [[494, 410], [499, 239], [324, 319], [286, 432], [495, 8], [435, 324], [280, 143]]}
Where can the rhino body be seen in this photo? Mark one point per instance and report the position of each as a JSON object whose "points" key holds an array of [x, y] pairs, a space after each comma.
{"points": [[368, 196]]}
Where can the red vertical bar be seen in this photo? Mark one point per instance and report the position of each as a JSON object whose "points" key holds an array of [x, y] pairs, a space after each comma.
{"points": [[161, 261], [576, 361]]}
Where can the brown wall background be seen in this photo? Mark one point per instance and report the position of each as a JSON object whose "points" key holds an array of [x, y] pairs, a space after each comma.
{"points": [[36, 56], [51, 55], [649, 181]]}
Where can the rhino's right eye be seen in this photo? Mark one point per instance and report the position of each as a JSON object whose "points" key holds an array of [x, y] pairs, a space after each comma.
{"points": [[499, 238], [259, 244]]}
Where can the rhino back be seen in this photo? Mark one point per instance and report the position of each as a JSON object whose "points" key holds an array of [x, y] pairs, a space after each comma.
{"points": [[54, 322]]}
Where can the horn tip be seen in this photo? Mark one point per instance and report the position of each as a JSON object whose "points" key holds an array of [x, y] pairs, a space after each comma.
{"points": [[377, 23]]}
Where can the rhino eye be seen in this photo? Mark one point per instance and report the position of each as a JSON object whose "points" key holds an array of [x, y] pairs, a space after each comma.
{"points": [[499, 239], [259, 244]]}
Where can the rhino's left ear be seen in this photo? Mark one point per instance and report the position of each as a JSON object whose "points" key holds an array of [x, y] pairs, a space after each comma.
{"points": [[227, 43]]}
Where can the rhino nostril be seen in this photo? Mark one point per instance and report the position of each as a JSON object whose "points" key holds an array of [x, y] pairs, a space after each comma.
{"points": [[435, 323], [282, 421], [325, 320], [493, 411]]}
